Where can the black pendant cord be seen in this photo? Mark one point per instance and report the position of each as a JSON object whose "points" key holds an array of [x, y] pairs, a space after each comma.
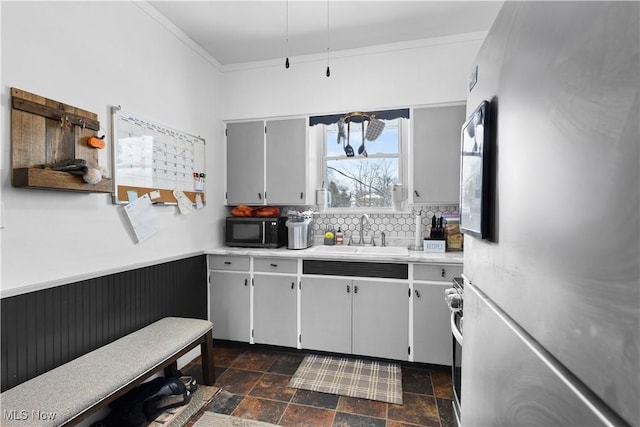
{"points": [[286, 62], [328, 70]]}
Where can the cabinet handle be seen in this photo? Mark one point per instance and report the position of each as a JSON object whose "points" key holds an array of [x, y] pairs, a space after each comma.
{"points": [[416, 193], [443, 273], [348, 289], [301, 195], [293, 284], [246, 282], [417, 293], [355, 289], [260, 196], [227, 263], [273, 265]]}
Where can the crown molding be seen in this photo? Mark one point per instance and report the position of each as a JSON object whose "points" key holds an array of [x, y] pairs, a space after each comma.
{"points": [[370, 50], [154, 14]]}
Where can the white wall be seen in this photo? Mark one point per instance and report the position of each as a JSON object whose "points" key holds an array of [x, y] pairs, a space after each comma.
{"points": [[391, 76], [93, 55], [96, 54]]}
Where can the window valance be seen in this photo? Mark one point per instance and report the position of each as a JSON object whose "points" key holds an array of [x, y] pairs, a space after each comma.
{"points": [[357, 118]]}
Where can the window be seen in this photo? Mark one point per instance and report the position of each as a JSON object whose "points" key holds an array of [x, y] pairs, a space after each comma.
{"points": [[365, 180]]}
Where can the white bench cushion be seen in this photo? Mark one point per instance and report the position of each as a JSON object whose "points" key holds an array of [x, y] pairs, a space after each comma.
{"points": [[72, 388]]}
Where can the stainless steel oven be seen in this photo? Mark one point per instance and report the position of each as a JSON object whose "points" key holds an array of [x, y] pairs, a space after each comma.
{"points": [[455, 297]]}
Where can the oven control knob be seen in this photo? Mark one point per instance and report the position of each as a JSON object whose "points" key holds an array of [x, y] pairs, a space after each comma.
{"points": [[453, 299], [455, 302]]}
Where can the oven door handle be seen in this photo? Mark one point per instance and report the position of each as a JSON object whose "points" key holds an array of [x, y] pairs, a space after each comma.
{"points": [[454, 329]]}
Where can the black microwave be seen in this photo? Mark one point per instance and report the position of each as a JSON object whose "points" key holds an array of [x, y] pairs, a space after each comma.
{"points": [[255, 232]]}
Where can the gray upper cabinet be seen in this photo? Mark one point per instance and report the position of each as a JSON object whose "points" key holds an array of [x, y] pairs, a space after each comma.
{"points": [[436, 154], [245, 163], [271, 169], [286, 161]]}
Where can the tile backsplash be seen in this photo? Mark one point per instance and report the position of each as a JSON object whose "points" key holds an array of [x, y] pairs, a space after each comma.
{"points": [[393, 224]]}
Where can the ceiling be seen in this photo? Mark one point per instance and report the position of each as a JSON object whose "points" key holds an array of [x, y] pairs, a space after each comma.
{"points": [[246, 31]]}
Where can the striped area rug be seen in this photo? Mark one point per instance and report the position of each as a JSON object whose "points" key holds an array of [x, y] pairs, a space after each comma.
{"points": [[211, 419], [366, 379]]}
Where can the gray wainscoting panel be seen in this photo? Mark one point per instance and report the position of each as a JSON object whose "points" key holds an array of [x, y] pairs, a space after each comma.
{"points": [[45, 329]]}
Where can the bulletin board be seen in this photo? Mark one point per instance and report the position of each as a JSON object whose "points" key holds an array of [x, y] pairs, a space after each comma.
{"points": [[150, 158]]}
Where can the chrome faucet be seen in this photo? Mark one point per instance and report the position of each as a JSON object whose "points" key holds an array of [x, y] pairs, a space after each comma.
{"points": [[362, 218]]}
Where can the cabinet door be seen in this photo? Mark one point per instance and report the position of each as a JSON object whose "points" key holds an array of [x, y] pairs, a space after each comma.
{"points": [[286, 161], [381, 319], [230, 305], [431, 324], [245, 163], [325, 308], [274, 310], [436, 154]]}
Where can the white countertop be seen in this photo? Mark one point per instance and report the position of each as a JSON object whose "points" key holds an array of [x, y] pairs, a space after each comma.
{"points": [[309, 253]]}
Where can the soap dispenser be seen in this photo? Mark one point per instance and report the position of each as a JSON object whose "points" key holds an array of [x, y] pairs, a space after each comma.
{"points": [[339, 237]]}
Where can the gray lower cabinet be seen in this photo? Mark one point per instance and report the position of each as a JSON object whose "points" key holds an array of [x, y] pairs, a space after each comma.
{"points": [[431, 315], [275, 310], [381, 319], [230, 305], [325, 307], [364, 317], [432, 332], [339, 314]]}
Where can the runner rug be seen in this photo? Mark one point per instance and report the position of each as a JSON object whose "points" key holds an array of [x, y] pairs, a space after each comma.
{"points": [[211, 419], [178, 417], [366, 379]]}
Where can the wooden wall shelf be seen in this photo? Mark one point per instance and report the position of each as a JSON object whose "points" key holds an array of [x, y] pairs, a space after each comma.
{"points": [[44, 131], [53, 180]]}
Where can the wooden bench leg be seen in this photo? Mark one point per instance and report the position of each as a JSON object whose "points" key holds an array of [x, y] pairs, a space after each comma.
{"points": [[171, 371], [208, 368]]}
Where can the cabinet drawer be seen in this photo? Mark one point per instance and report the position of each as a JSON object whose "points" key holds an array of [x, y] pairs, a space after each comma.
{"points": [[439, 272], [229, 262], [275, 265]]}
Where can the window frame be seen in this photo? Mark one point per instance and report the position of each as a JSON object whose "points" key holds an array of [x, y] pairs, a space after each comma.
{"points": [[403, 162]]}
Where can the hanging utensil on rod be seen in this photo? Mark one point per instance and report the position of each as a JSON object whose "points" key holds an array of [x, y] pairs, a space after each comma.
{"points": [[348, 149], [374, 128], [361, 149]]}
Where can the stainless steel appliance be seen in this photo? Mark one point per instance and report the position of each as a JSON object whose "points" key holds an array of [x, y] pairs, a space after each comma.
{"points": [[253, 232], [300, 232], [552, 308], [454, 297]]}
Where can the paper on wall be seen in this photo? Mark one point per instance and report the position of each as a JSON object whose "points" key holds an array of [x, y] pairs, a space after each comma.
{"points": [[142, 217], [184, 203]]}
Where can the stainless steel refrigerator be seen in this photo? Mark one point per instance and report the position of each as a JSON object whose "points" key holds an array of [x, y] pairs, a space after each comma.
{"points": [[552, 302]]}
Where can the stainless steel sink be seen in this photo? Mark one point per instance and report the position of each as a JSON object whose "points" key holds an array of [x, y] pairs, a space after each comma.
{"points": [[360, 250]]}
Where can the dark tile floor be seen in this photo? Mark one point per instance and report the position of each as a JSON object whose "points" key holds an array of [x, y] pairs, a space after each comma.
{"points": [[254, 382]]}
